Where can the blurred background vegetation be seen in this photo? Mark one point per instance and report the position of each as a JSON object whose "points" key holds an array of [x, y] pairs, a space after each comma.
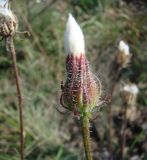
{"points": [[50, 135]]}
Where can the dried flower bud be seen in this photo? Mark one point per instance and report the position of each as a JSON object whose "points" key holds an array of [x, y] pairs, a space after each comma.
{"points": [[8, 21], [123, 56], [129, 94], [81, 90]]}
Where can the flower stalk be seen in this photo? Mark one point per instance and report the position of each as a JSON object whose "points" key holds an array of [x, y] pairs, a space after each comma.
{"points": [[86, 136], [124, 125], [121, 61], [129, 96], [81, 90]]}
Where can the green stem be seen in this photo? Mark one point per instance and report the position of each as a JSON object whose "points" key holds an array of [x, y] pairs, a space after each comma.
{"points": [[86, 136]]}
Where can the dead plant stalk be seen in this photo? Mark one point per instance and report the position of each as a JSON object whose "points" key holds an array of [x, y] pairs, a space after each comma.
{"points": [[11, 49]]}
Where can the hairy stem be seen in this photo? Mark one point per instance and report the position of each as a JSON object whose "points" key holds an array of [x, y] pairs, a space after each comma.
{"points": [[86, 136], [124, 131], [11, 49]]}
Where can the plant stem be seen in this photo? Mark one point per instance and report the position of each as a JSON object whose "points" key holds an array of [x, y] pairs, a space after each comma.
{"points": [[110, 121], [110, 132], [86, 136], [11, 49], [124, 132], [113, 82]]}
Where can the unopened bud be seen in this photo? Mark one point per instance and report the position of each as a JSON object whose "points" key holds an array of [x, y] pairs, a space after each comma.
{"points": [[81, 90]]}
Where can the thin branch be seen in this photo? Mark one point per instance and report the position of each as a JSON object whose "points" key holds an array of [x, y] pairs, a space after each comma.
{"points": [[124, 131], [28, 9], [114, 82], [44, 9]]}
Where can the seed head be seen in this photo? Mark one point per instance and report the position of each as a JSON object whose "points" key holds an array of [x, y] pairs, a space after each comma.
{"points": [[8, 21], [129, 94], [81, 90], [123, 56], [4, 3], [123, 47]]}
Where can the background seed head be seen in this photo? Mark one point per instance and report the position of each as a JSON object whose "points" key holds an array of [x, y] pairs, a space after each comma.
{"points": [[123, 56], [8, 22], [129, 94]]}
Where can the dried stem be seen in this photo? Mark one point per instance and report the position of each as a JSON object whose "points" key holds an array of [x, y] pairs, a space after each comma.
{"points": [[114, 82], [110, 122], [11, 49], [49, 4], [86, 136], [28, 9], [124, 131]]}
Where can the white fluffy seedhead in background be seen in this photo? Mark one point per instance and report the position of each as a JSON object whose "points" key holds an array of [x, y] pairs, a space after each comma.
{"points": [[131, 88], [38, 1], [4, 3], [4, 9], [73, 38], [123, 47], [6, 12]]}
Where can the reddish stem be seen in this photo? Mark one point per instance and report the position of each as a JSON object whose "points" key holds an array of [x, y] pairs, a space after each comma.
{"points": [[11, 49]]}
